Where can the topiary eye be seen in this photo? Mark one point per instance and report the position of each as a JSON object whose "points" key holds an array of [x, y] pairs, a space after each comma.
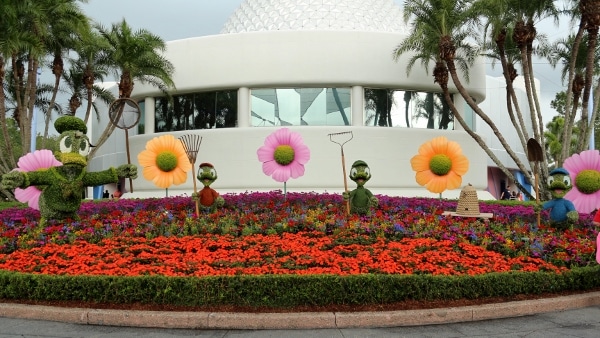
{"points": [[567, 180], [84, 147], [66, 144], [353, 172]]}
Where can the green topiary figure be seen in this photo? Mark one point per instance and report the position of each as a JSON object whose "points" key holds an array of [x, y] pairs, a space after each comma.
{"points": [[63, 186], [361, 199], [209, 198], [562, 211]]}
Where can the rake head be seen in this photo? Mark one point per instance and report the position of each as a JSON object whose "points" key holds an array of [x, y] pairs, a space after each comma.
{"points": [[341, 135], [191, 144]]}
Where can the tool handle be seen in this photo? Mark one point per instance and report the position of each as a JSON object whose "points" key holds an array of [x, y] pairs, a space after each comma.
{"points": [[345, 182]]}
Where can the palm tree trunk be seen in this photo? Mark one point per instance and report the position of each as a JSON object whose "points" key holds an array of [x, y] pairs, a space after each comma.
{"points": [[594, 113], [48, 116], [407, 98], [8, 158], [589, 74], [511, 97], [483, 145], [569, 115], [463, 92]]}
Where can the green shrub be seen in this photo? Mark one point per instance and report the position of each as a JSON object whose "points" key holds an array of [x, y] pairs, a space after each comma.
{"points": [[284, 291]]}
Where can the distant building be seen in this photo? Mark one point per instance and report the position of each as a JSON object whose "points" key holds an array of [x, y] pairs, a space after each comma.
{"points": [[316, 68]]}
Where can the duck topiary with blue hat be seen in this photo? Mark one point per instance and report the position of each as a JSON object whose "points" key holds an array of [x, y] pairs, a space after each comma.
{"points": [[562, 211]]}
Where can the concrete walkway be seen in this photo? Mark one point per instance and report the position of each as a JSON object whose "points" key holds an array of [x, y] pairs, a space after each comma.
{"points": [[569, 316]]}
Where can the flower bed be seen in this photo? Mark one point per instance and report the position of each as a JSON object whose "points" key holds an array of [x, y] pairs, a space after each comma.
{"points": [[265, 234], [291, 235]]}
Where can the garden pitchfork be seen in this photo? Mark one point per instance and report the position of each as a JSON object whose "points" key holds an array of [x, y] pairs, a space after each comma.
{"points": [[345, 140]]}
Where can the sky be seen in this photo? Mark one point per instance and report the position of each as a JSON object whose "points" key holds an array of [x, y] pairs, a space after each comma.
{"points": [[180, 19]]}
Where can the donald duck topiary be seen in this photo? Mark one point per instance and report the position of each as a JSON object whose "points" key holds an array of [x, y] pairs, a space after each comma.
{"points": [[63, 186]]}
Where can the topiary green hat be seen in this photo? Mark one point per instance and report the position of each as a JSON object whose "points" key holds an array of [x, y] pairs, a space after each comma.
{"points": [[359, 163], [65, 123]]}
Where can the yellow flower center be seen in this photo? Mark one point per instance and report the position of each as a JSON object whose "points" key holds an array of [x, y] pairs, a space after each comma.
{"points": [[166, 161], [440, 164], [588, 181], [284, 154]]}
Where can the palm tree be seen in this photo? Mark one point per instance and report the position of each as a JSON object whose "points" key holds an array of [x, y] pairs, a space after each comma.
{"points": [[91, 65], [588, 13], [499, 46], [561, 52], [32, 29], [590, 16], [136, 56], [19, 46], [553, 136], [64, 32], [440, 34]]}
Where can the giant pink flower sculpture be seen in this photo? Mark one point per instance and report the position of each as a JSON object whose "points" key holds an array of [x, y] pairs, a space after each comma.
{"points": [[584, 169], [283, 155], [39, 159]]}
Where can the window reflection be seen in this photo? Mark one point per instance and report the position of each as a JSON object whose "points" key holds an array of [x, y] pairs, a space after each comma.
{"points": [[300, 106], [206, 110], [141, 127], [412, 109]]}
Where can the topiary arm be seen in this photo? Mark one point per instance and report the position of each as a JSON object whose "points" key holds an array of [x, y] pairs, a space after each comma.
{"points": [[127, 171], [14, 179], [373, 201], [17, 179], [92, 179]]}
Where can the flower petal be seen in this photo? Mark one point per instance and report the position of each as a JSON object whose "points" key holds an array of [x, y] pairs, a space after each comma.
{"points": [[282, 174], [420, 162], [437, 185], [29, 195], [423, 177], [265, 153], [296, 169]]}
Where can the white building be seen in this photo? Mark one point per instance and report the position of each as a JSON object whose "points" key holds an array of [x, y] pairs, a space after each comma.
{"points": [[314, 67]]}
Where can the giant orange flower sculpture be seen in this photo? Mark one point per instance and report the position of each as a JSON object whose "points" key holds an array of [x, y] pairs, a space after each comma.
{"points": [[439, 165], [165, 161]]}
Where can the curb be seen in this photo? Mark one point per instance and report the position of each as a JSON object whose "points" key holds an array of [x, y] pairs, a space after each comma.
{"points": [[296, 320]]}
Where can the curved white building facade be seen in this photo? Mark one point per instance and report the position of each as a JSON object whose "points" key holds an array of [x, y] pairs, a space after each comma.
{"points": [[316, 67]]}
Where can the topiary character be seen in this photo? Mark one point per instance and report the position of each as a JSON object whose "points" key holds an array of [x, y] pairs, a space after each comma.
{"points": [[361, 199], [63, 186], [562, 211], [208, 197]]}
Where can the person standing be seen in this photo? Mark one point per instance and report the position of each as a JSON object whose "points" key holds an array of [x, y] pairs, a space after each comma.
{"points": [[505, 194]]}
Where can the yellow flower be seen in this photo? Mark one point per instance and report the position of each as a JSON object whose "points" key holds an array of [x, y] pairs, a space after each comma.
{"points": [[439, 165], [165, 161]]}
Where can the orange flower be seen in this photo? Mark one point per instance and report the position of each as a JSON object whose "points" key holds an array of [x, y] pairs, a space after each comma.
{"points": [[165, 161], [439, 165]]}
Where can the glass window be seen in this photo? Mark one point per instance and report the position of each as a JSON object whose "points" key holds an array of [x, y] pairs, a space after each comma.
{"points": [[412, 109], [141, 127], [206, 110], [469, 117], [300, 106]]}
